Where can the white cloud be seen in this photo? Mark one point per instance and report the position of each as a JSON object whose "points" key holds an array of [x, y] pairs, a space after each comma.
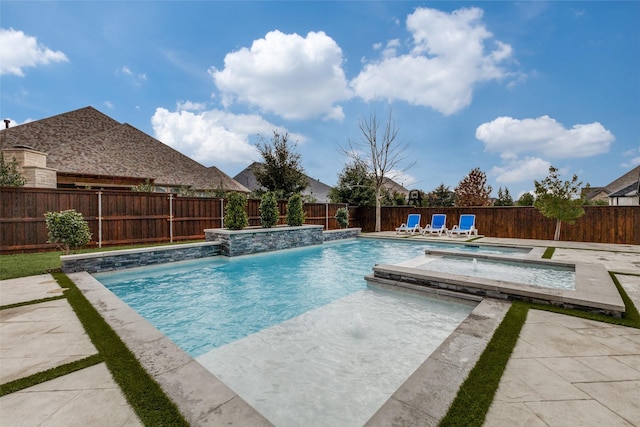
{"points": [[20, 51], [520, 170], [447, 59], [634, 158], [136, 78], [286, 74], [190, 106], [212, 137], [544, 135]]}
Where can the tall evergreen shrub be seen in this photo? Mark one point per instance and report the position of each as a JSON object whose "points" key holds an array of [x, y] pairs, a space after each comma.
{"points": [[269, 210], [342, 217], [235, 215], [295, 211]]}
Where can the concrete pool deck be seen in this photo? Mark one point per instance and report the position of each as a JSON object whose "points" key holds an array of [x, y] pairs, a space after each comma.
{"points": [[564, 370]]}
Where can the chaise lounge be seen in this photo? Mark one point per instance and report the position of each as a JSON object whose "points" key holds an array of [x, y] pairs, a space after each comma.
{"points": [[411, 226], [466, 226], [438, 225]]}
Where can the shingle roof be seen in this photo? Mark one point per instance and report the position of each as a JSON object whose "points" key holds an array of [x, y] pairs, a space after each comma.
{"points": [[628, 191], [624, 181], [86, 141]]}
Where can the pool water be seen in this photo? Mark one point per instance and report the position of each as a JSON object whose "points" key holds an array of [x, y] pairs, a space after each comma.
{"points": [[206, 303], [296, 333], [545, 275]]}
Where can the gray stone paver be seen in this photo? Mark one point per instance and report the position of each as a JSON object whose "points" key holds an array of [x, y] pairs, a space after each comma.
{"points": [[88, 397], [570, 372], [40, 336], [29, 289]]}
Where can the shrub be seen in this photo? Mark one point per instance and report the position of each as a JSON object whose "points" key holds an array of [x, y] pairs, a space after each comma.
{"points": [[9, 174], [295, 213], [235, 214], [269, 210], [145, 187], [67, 228], [342, 216]]}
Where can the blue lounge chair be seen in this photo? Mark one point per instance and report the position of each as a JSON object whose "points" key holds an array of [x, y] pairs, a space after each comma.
{"points": [[438, 225], [466, 226], [411, 226]]}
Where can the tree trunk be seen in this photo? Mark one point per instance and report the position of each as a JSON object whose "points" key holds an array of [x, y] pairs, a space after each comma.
{"points": [[378, 213], [556, 236]]}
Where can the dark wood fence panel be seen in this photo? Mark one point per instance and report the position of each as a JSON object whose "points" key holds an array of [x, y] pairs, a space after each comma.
{"points": [[602, 224], [122, 217]]}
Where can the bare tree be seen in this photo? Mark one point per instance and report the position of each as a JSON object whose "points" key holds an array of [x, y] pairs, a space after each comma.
{"points": [[382, 153]]}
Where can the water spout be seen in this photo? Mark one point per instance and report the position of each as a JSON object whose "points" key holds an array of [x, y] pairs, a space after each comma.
{"points": [[474, 264], [357, 326]]}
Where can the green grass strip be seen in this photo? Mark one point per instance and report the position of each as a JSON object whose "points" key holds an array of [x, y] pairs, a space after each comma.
{"points": [[38, 301], [146, 397], [49, 374], [474, 398], [548, 253]]}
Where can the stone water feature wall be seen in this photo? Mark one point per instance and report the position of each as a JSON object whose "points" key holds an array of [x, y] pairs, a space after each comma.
{"points": [[115, 260], [346, 233], [258, 240]]}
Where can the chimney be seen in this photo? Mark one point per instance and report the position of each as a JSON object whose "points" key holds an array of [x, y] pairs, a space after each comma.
{"points": [[6, 123]]}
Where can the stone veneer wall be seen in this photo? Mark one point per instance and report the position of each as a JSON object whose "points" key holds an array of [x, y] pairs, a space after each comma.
{"points": [[346, 233], [258, 240], [115, 260]]}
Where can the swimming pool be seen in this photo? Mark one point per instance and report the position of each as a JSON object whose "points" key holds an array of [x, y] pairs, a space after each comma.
{"points": [[206, 303]]}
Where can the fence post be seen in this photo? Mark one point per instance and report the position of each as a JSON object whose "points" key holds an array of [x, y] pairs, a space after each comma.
{"points": [[221, 212], [171, 217], [326, 216], [99, 219]]}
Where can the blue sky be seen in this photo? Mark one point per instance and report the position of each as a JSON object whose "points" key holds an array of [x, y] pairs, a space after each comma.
{"points": [[509, 87]]}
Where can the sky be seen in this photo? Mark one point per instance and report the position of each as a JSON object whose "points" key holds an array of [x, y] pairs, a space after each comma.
{"points": [[511, 88]]}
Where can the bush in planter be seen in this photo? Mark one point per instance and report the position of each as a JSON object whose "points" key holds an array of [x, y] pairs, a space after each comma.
{"points": [[235, 213], [269, 213], [295, 213], [67, 228], [342, 217]]}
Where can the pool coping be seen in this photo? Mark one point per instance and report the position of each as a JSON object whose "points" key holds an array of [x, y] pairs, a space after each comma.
{"points": [[594, 290], [205, 400]]}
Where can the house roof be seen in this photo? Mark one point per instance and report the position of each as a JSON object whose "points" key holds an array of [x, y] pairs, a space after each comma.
{"points": [[624, 181], [86, 141], [630, 190], [318, 189]]}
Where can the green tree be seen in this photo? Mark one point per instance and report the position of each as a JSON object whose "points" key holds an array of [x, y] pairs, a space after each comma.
{"points": [[67, 228], [504, 198], [526, 199], [559, 200], [269, 213], [384, 155], [441, 196], [355, 186], [9, 174], [235, 213], [295, 211], [281, 170], [473, 190]]}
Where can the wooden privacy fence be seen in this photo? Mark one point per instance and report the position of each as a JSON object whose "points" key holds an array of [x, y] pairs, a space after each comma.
{"points": [[122, 217], [601, 224]]}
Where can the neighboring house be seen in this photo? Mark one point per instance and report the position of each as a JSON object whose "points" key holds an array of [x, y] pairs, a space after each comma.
{"points": [[315, 189], [619, 192], [394, 187], [627, 196], [88, 149]]}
